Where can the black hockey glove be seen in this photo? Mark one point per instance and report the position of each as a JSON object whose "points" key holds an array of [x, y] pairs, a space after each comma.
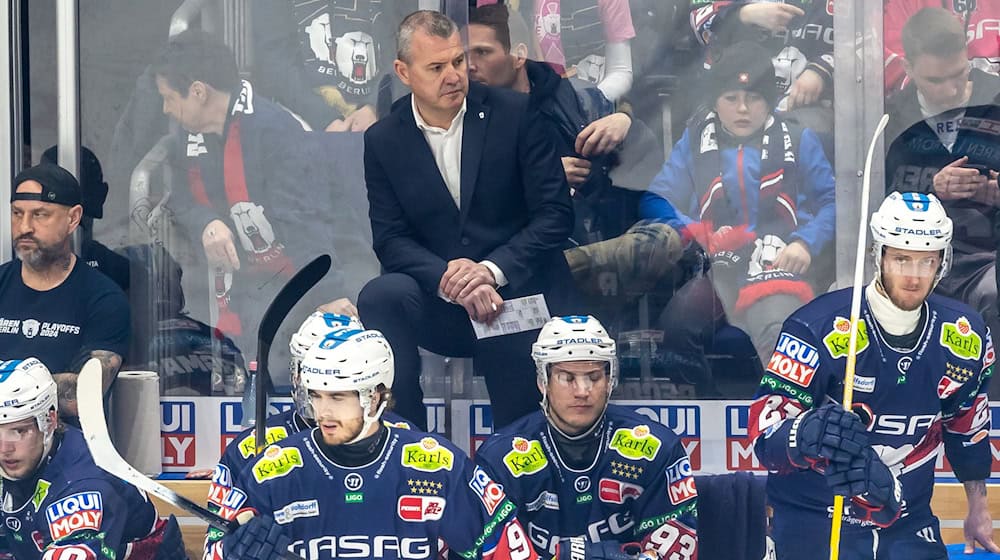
{"points": [[875, 493], [828, 433], [258, 538], [579, 548]]}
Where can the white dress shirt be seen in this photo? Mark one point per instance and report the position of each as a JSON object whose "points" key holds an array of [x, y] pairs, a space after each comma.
{"points": [[446, 145]]}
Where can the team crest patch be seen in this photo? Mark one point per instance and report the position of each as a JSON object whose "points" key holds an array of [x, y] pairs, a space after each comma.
{"points": [[637, 443], [525, 457], [248, 445], [837, 340], [794, 360], [75, 513], [961, 340], [276, 462], [428, 456]]}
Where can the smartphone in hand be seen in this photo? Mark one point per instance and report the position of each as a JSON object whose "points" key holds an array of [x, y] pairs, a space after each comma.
{"points": [[982, 169]]}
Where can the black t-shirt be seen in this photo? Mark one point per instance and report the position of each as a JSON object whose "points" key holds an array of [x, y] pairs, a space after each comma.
{"points": [[63, 325], [113, 265]]}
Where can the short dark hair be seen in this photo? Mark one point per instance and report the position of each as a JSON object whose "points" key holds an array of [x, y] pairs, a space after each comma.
{"points": [[197, 56], [508, 26], [494, 16], [431, 22], [933, 31]]}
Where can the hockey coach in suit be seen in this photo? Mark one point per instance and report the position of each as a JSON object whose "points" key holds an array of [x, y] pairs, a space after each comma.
{"points": [[469, 207]]}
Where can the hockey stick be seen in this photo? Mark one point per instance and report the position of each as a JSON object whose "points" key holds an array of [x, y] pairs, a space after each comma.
{"points": [[280, 307], [852, 344], [95, 431]]}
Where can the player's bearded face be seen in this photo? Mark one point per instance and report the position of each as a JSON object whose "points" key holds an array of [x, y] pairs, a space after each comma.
{"points": [[338, 414], [577, 394], [21, 448], [908, 276]]}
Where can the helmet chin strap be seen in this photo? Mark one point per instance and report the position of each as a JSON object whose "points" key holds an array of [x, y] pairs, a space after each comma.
{"points": [[366, 405]]}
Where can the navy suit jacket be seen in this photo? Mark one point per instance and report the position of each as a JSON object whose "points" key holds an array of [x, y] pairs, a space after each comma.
{"points": [[515, 203]]}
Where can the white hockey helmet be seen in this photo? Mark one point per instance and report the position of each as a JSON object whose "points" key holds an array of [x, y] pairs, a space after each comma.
{"points": [[574, 338], [313, 329], [912, 221], [350, 360], [27, 390]]}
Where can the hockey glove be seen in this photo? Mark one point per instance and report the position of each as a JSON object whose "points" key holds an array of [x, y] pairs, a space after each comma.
{"points": [[828, 433], [258, 538], [579, 548], [876, 495]]}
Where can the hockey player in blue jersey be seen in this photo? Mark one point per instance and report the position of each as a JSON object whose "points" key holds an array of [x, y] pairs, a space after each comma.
{"points": [[923, 363], [592, 479], [354, 487], [241, 451], [57, 504]]}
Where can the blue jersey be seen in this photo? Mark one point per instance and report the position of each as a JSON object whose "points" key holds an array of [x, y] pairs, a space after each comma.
{"points": [[76, 510], [418, 495], [911, 399], [241, 451], [639, 487]]}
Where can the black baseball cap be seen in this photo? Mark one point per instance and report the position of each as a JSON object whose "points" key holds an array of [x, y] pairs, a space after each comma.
{"points": [[92, 184], [58, 185]]}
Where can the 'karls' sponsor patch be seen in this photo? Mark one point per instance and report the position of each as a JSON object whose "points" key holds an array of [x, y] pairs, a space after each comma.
{"points": [[428, 456], [794, 360], [961, 340], [837, 341], [75, 513]]}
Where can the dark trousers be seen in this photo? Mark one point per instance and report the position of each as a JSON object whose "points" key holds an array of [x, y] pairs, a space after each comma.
{"points": [[409, 317]]}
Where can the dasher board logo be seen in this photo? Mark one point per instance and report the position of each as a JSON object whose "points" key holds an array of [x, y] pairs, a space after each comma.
{"points": [[794, 360], [961, 340], [78, 512]]}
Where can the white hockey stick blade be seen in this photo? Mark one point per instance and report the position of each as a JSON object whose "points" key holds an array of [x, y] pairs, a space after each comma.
{"points": [[95, 432]]}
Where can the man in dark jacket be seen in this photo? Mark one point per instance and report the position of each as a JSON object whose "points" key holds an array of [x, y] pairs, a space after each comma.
{"points": [[943, 134], [608, 158]]}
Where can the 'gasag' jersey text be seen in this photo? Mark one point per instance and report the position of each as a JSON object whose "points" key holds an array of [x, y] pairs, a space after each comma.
{"points": [[418, 495], [911, 399], [639, 487]]}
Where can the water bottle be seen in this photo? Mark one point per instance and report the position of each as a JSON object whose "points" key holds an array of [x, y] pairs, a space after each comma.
{"points": [[250, 396]]}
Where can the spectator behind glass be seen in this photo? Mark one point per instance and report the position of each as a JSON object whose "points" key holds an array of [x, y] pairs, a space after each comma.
{"points": [[469, 208], [323, 60], [254, 188], [757, 194], [798, 34], [588, 39], [592, 139], [980, 21], [942, 124], [52, 306], [95, 191]]}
